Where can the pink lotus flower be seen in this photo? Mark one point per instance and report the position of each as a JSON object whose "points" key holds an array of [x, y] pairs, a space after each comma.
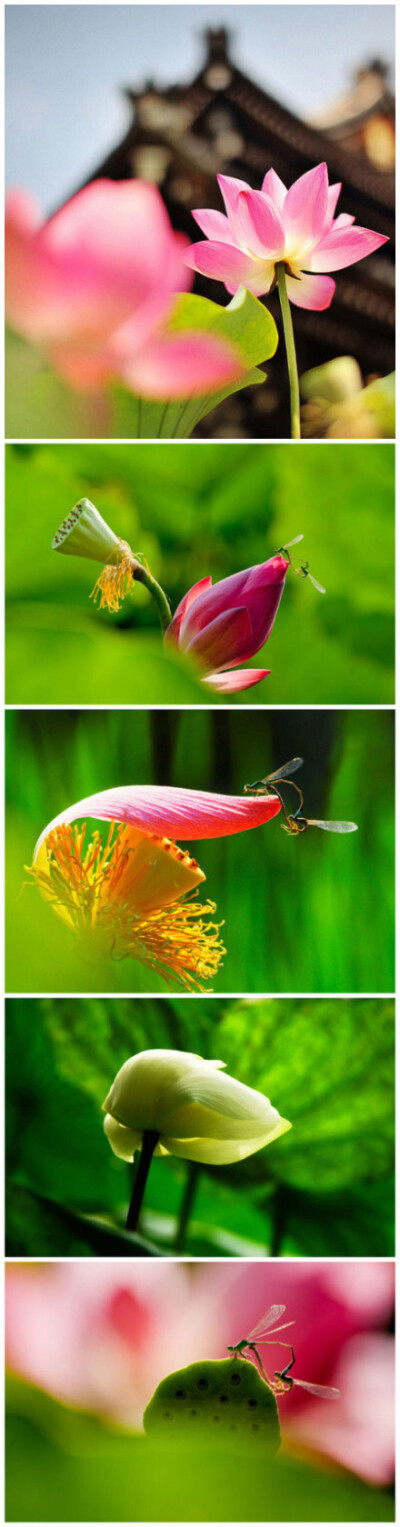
{"points": [[225, 625], [93, 287], [295, 227], [132, 897]]}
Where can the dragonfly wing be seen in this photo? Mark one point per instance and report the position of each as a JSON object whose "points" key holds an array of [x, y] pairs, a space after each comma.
{"points": [[320, 1390], [317, 585], [294, 542], [333, 826], [268, 1320], [284, 771], [276, 1330]]}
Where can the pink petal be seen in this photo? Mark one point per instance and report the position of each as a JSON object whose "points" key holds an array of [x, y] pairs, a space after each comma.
{"points": [[121, 228], [314, 292], [274, 188], [343, 246], [181, 366], [108, 255], [184, 605], [225, 262], [344, 220], [230, 188], [23, 211], [170, 812], [230, 683], [225, 641], [260, 226], [32, 297], [333, 198], [306, 205], [215, 225]]}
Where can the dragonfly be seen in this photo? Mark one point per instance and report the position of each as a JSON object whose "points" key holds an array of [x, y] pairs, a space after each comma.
{"points": [[269, 786], [256, 1338], [302, 571], [284, 1382], [263, 1335], [262, 786], [294, 542], [296, 823]]}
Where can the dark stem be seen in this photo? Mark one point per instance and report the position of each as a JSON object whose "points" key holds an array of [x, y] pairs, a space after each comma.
{"points": [[186, 1205], [150, 1140], [278, 1220]]}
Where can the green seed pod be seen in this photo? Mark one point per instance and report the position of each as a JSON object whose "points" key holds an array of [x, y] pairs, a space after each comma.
{"points": [[219, 1404]]}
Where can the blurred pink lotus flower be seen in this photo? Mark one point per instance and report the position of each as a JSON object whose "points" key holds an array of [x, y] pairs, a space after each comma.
{"points": [[359, 1432], [225, 625], [93, 286], [274, 225], [102, 1335]]}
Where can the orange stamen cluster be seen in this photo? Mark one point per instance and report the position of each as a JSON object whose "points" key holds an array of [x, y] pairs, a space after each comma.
{"points": [[179, 944], [115, 580], [107, 893]]}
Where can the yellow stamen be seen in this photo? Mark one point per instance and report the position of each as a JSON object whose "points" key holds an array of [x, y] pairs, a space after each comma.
{"points": [[131, 897], [115, 580]]}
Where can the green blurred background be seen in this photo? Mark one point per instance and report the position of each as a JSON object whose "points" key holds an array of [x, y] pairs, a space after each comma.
{"points": [[305, 914], [323, 1189], [67, 1465], [195, 510]]}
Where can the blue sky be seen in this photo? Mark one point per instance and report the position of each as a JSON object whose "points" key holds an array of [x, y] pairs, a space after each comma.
{"points": [[65, 63]]}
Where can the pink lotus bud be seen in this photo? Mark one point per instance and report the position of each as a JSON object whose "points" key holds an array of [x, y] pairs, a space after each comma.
{"points": [[226, 624], [94, 286]]}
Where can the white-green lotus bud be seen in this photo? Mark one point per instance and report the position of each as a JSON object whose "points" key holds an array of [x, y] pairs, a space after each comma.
{"points": [[198, 1112]]}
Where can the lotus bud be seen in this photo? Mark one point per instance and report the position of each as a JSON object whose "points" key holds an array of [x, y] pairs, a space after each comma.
{"points": [[196, 1111], [336, 381], [219, 1404]]}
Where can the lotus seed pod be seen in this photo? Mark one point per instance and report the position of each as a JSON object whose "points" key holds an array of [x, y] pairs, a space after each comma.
{"points": [[84, 533], [218, 1404]]}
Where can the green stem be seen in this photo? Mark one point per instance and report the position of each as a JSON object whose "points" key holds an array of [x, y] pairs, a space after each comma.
{"points": [[290, 351], [150, 1140], [142, 575]]}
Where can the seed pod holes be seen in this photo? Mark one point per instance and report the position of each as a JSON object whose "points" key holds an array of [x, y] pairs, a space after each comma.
{"points": [[217, 1404]]}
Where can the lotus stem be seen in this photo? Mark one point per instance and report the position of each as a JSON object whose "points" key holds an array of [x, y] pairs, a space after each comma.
{"points": [[150, 1140], [143, 575], [290, 352]]}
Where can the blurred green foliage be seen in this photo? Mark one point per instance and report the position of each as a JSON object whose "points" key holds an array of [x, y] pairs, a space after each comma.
{"points": [[325, 1188], [195, 510], [304, 914], [66, 1465], [40, 404]]}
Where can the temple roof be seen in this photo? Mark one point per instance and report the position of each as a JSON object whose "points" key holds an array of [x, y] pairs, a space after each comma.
{"points": [[178, 111], [369, 93]]}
